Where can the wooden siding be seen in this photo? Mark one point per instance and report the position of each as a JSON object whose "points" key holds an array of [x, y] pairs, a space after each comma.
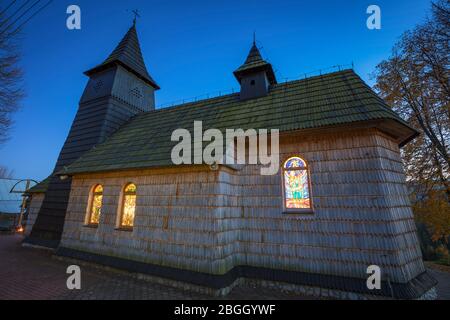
{"points": [[210, 221], [35, 205]]}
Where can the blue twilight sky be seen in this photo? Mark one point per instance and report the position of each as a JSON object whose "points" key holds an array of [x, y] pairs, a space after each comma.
{"points": [[190, 48]]}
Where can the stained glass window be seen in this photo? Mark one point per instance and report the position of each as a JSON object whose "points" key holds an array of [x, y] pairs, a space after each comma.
{"points": [[96, 204], [128, 206], [296, 185]]}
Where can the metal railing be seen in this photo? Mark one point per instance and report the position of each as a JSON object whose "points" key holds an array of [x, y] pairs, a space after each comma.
{"points": [[218, 93]]}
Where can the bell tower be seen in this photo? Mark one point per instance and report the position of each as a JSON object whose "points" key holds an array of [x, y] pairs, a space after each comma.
{"points": [[123, 75], [118, 89], [255, 75]]}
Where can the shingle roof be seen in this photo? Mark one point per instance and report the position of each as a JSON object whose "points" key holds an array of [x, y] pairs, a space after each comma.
{"points": [[327, 100], [128, 54], [255, 63], [40, 187]]}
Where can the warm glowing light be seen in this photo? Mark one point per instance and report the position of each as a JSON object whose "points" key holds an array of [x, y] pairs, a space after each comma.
{"points": [[19, 229], [129, 206], [96, 207]]}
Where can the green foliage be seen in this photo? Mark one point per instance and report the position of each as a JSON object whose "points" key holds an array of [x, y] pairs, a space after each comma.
{"points": [[432, 215]]}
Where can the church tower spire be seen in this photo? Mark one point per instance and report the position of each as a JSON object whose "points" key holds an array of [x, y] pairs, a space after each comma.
{"points": [[123, 68], [255, 75], [128, 55]]}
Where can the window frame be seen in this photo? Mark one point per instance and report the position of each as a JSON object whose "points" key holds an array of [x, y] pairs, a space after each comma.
{"points": [[123, 194], [92, 194], [309, 210]]}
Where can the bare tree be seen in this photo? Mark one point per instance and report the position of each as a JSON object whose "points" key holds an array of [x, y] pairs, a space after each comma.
{"points": [[441, 13], [11, 90], [5, 173], [415, 81]]}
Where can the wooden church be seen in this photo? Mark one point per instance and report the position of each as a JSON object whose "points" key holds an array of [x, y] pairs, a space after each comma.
{"points": [[337, 205]]}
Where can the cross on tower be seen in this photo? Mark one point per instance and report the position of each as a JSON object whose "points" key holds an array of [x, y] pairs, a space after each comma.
{"points": [[136, 15]]}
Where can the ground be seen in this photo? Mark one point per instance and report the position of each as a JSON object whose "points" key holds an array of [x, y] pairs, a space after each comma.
{"points": [[27, 273], [442, 275]]}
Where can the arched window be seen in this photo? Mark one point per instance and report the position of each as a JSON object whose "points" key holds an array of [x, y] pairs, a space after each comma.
{"points": [[96, 205], [296, 185], [128, 206]]}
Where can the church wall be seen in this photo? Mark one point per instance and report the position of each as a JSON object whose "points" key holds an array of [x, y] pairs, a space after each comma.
{"points": [[209, 221], [121, 84], [175, 220], [136, 93], [35, 205], [362, 214]]}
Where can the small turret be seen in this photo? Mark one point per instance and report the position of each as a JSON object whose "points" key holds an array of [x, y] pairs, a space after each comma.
{"points": [[255, 75]]}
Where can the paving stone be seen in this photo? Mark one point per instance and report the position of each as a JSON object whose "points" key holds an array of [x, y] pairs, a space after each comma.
{"points": [[27, 273]]}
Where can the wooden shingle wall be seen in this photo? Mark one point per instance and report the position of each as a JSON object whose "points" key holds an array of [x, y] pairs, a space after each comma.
{"points": [[175, 223], [361, 216], [35, 205], [209, 221]]}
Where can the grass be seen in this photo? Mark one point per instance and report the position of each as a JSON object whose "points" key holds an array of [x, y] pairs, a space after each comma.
{"points": [[443, 261]]}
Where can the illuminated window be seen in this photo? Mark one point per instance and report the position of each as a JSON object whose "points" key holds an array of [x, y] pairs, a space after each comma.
{"points": [[96, 205], [296, 185], [128, 206]]}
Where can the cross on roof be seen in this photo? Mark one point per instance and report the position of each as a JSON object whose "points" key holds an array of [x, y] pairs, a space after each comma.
{"points": [[136, 15]]}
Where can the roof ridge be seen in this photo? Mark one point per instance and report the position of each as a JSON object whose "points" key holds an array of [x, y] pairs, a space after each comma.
{"points": [[218, 98], [275, 86]]}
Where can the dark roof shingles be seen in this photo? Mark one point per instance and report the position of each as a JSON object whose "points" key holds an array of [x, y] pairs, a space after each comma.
{"points": [[41, 187], [332, 99], [255, 63], [128, 53]]}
